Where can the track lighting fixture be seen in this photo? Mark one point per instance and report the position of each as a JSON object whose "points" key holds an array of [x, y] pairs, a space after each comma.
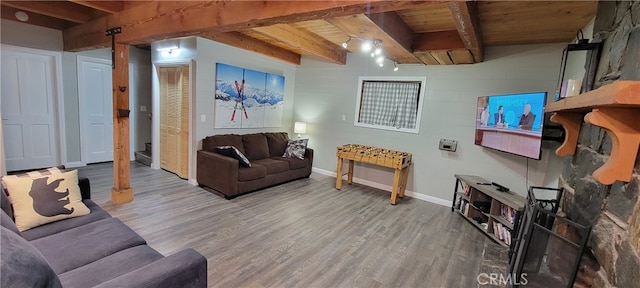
{"points": [[366, 46], [345, 44], [395, 67]]}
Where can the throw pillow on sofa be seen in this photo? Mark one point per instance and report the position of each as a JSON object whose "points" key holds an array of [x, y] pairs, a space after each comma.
{"points": [[42, 199], [296, 148], [233, 152]]}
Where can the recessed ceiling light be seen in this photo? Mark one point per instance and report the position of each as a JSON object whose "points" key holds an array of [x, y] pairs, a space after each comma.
{"points": [[22, 16]]}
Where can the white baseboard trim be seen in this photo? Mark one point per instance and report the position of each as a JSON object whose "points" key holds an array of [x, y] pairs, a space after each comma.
{"points": [[193, 182], [75, 164], [384, 187]]}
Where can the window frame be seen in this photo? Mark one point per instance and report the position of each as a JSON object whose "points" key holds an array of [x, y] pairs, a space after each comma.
{"points": [[421, 93]]}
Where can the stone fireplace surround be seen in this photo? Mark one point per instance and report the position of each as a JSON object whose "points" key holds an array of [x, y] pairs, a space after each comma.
{"points": [[613, 259]]}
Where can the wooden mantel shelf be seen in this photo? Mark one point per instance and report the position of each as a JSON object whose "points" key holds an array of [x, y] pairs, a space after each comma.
{"points": [[615, 108]]}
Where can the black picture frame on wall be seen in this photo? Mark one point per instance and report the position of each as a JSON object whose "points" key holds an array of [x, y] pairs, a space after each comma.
{"points": [[571, 56]]}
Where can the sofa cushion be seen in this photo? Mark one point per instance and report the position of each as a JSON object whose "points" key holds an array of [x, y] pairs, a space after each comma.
{"points": [[255, 146], [7, 222], [82, 245], [22, 265], [211, 142], [251, 173], [96, 214], [38, 200], [294, 163], [296, 148], [277, 142], [5, 203], [273, 166], [110, 267], [233, 152]]}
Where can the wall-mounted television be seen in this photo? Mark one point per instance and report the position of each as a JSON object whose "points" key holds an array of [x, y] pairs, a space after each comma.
{"points": [[511, 123]]}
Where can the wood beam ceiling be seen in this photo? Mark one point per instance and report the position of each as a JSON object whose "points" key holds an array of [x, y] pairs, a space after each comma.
{"points": [[161, 20], [306, 41], [465, 16], [35, 19], [106, 6], [62, 10], [239, 40], [363, 27]]}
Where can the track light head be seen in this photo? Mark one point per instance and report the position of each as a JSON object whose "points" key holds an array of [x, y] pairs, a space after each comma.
{"points": [[366, 46], [345, 44], [395, 67]]}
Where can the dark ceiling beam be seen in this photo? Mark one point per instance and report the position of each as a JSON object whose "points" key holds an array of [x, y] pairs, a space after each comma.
{"points": [[239, 40], [392, 24], [465, 16]]}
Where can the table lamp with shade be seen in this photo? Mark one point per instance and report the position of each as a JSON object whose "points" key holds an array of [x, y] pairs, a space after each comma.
{"points": [[300, 128]]}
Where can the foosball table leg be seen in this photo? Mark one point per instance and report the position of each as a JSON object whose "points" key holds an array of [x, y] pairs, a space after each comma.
{"points": [[396, 184], [339, 174], [350, 175], [403, 184]]}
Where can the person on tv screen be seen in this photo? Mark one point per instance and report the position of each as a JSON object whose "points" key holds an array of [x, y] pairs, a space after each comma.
{"points": [[526, 120], [499, 117], [484, 117]]}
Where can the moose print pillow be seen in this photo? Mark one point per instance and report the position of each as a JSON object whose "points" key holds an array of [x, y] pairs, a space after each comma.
{"points": [[42, 199]]}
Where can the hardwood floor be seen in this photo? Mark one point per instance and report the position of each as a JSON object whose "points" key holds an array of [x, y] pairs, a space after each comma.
{"points": [[303, 233]]}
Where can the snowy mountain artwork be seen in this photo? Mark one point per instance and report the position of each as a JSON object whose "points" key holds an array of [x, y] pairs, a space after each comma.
{"points": [[247, 98]]}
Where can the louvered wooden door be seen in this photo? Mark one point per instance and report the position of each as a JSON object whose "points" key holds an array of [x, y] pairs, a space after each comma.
{"points": [[174, 120]]}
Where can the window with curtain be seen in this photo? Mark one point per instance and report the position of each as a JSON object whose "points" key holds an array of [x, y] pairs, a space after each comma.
{"points": [[390, 103]]}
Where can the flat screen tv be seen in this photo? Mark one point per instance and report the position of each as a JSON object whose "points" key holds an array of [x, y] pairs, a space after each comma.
{"points": [[511, 123]]}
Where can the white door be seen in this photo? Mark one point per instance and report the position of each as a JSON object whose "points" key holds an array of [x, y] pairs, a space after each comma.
{"points": [[29, 113], [96, 109]]}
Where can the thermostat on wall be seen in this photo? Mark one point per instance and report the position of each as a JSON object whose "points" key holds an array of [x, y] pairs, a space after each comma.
{"points": [[448, 145]]}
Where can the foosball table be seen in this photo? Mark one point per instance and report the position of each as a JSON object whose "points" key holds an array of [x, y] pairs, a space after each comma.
{"points": [[397, 160]]}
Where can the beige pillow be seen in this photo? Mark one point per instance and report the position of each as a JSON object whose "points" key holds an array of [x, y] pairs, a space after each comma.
{"points": [[39, 200]]}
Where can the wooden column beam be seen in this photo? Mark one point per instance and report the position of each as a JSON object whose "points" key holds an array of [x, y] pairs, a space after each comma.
{"points": [[242, 41], [158, 20], [121, 191], [305, 40], [465, 16]]}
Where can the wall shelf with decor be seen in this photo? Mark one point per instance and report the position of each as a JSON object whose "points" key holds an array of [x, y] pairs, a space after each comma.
{"points": [[495, 213], [615, 108]]}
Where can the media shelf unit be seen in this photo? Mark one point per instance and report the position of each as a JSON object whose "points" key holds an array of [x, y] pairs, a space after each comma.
{"points": [[501, 212]]}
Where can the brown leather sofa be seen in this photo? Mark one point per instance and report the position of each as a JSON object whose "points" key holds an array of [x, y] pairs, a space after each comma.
{"points": [[264, 150]]}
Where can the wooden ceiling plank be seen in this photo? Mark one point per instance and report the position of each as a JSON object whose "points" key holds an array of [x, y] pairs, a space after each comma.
{"points": [[394, 26], [363, 27], [163, 19], [444, 40], [461, 56], [442, 57], [306, 41], [239, 40], [465, 16], [106, 6], [426, 58], [62, 10], [9, 13]]}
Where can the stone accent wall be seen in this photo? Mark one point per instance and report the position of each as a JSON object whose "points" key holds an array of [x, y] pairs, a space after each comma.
{"points": [[613, 210]]}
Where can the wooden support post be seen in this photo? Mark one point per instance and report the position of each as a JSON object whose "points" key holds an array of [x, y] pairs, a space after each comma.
{"points": [[121, 191]]}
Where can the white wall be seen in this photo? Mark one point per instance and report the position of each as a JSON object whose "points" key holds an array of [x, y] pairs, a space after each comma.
{"points": [[325, 92], [31, 36], [206, 54], [141, 74]]}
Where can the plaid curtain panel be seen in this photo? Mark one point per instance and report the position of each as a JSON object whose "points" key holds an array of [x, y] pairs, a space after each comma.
{"points": [[392, 104]]}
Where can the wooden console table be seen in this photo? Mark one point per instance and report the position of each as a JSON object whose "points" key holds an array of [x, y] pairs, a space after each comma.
{"points": [[397, 160]]}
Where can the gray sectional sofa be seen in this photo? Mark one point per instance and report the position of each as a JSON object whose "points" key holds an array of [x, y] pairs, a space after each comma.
{"points": [[95, 250]]}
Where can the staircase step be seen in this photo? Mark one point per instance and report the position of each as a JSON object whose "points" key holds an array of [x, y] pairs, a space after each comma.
{"points": [[143, 157]]}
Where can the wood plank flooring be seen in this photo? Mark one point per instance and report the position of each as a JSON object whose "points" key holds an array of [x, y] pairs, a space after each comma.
{"points": [[300, 234]]}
